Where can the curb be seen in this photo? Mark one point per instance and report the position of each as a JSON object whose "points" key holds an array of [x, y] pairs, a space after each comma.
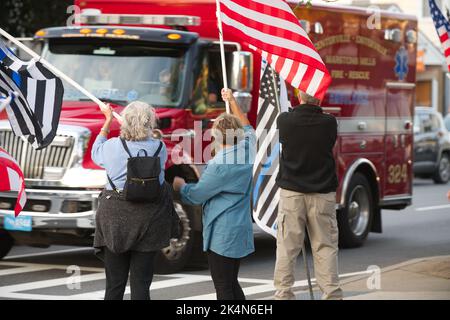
{"points": [[394, 267], [364, 276]]}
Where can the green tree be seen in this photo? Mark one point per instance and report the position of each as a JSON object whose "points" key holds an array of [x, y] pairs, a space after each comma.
{"points": [[23, 18]]}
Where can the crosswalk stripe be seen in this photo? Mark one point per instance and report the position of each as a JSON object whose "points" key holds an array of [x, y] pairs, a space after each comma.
{"points": [[48, 266], [49, 283], [46, 253], [31, 296], [21, 270], [18, 291], [191, 279]]}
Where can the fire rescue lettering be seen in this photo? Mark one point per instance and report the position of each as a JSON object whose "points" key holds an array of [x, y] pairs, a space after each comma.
{"points": [[351, 60], [342, 38], [363, 61], [353, 75]]}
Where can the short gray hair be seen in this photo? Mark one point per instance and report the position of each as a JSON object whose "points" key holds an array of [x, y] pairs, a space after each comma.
{"points": [[138, 121], [308, 99]]}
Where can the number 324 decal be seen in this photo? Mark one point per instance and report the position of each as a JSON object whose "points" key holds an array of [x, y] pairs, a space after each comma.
{"points": [[397, 173]]}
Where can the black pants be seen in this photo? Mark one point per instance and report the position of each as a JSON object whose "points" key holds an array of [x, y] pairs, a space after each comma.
{"points": [[224, 272], [117, 267]]}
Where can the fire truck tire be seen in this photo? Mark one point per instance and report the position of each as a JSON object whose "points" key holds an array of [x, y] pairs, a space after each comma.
{"points": [[355, 219], [442, 174], [175, 257], [6, 243]]}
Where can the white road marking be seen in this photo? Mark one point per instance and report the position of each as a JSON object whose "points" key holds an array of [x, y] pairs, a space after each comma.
{"points": [[187, 279], [22, 270], [445, 206], [49, 283], [46, 253], [304, 283], [48, 266], [32, 296], [17, 291]]}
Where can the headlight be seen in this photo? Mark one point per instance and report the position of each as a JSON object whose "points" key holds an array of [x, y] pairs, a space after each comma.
{"points": [[84, 178], [80, 148]]}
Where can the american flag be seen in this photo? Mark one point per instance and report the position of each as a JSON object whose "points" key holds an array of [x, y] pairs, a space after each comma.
{"points": [[36, 98], [272, 27], [443, 29], [12, 179], [265, 195]]}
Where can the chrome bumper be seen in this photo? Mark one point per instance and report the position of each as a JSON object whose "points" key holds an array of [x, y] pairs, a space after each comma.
{"points": [[48, 208]]}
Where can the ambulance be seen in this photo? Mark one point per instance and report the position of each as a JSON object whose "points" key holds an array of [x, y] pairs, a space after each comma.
{"points": [[166, 53]]}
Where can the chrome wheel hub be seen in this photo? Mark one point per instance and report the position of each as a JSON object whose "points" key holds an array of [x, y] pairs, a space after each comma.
{"points": [[444, 169], [359, 210], [177, 245]]}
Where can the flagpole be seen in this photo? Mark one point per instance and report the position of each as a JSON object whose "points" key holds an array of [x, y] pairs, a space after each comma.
{"points": [[58, 72], [222, 52], [6, 102]]}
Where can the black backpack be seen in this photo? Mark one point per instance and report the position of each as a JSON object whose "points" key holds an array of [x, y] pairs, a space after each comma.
{"points": [[142, 184]]}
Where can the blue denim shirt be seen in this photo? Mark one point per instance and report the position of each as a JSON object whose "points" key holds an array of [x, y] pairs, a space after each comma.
{"points": [[224, 191], [111, 155]]}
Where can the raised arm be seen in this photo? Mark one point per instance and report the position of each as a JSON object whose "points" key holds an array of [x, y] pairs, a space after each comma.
{"points": [[97, 148], [227, 95]]}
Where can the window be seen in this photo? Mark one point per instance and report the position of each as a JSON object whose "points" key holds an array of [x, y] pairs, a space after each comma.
{"points": [[447, 121], [426, 123], [121, 72], [208, 81], [424, 93], [435, 123]]}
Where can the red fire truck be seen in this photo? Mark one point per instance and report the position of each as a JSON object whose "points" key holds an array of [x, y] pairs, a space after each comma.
{"points": [[166, 53]]}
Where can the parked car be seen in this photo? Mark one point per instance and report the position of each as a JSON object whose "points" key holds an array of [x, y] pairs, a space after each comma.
{"points": [[431, 146]]}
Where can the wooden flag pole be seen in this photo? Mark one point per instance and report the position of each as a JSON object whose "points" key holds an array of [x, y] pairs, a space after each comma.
{"points": [[222, 52], [58, 72]]}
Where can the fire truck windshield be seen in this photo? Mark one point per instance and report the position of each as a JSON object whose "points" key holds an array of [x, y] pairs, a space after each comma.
{"points": [[120, 72]]}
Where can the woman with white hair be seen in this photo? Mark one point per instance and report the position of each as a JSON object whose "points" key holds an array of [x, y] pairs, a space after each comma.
{"points": [[129, 234], [224, 191]]}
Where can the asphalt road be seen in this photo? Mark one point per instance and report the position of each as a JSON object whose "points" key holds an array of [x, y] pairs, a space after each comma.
{"points": [[422, 230]]}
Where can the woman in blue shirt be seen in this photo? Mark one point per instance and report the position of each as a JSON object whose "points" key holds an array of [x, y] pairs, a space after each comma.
{"points": [[224, 191], [129, 234]]}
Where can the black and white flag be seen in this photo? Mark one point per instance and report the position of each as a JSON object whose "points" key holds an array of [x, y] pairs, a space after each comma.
{"points": [[35, 98], [266, 195]]}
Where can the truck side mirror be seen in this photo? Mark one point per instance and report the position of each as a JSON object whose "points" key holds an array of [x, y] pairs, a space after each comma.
{"points": [[241, 71]]}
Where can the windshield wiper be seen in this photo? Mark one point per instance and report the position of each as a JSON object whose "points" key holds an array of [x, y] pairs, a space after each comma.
{"points": [[120, 102]]}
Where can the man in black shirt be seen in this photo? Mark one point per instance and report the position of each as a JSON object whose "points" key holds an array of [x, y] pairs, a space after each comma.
{"points": [[308, 182]]}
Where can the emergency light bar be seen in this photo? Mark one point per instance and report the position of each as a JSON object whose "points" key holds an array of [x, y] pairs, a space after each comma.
{"points": [[137, 19]]}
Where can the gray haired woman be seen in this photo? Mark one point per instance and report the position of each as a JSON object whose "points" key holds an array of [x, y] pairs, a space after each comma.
{"points": [[129, 234]]}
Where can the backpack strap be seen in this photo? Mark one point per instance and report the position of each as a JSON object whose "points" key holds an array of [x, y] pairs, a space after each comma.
{"points": [[124, 144], [112, 184], [145, 152], [159, 149]]}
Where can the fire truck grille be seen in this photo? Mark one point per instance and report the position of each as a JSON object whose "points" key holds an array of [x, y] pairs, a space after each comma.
{"points": [[33, 162]]}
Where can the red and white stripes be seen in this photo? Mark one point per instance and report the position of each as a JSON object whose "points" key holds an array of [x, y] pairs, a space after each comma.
{"points": [[445, 40], [272, 27], [312, 81], [12, 179]]}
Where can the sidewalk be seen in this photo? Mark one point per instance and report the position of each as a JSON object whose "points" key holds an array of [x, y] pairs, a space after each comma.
{"points": [[418, 279]]}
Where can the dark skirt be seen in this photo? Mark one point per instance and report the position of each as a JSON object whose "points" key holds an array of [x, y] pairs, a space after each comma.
{"points": [[123, 226]]}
